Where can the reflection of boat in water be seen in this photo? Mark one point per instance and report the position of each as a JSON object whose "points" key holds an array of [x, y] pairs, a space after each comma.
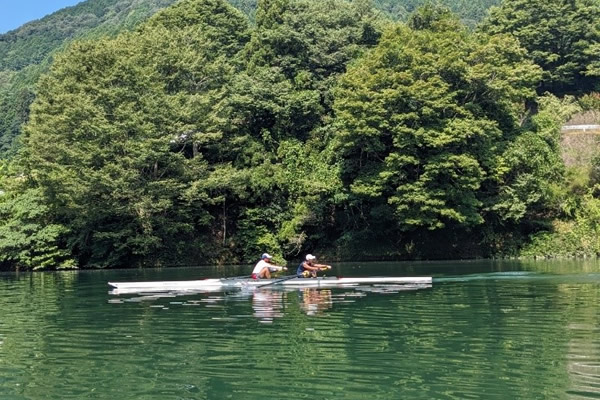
{"points": [[242, 283], [267, 304], [315, 301]]}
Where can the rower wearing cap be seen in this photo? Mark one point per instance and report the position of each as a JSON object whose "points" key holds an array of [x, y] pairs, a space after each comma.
{"points": [[309, 268], [263, 268]]}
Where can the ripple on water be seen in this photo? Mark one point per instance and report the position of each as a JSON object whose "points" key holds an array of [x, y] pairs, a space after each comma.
{"points": [[583, 359], [511, 336]]}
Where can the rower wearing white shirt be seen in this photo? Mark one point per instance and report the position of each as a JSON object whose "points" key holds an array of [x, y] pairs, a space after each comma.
{"points": [[263, 268]]}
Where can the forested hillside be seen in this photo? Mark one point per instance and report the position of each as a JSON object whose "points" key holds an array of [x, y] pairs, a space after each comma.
{"points": [[31, 43], [321, 126], [25, 53]]}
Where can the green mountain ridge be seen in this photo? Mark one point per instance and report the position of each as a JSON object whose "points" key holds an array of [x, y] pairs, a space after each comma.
{"points": [[33, 41], [26, 52]]}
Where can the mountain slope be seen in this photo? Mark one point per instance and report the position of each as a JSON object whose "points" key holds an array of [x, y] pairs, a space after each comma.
{"points": [[26, 52], [32, 42]]}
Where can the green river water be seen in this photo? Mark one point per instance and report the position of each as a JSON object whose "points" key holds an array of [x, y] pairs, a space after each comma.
{"points": [[483, 330]]}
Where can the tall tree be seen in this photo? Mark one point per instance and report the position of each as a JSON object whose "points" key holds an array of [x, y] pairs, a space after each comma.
{"points": [[109, 131], [423, 119], [279, 107]]}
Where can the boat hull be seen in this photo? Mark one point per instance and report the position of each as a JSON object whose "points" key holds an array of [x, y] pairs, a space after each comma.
{"points": [[218, 284]]}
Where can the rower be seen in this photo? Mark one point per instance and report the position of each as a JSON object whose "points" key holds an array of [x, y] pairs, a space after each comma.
{"points": [[309, 267], [263, 268]]}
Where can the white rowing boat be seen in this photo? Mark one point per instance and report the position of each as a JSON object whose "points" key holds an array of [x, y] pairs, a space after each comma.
{"points": [[238, 283]]}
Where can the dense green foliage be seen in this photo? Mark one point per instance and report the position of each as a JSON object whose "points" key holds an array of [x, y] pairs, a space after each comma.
{"points": [[150, 123], [561, 36], [26, 52], [432, 135], [577, 237], [470, 12], [321, 126], [574, 233], [109, 113], [279, 105]]}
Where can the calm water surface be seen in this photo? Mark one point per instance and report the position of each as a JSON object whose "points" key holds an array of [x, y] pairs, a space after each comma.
{"points": [[483, 330]]}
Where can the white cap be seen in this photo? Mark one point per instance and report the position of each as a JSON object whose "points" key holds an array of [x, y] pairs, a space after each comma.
{"points": [[310, 257], [266, 255]]}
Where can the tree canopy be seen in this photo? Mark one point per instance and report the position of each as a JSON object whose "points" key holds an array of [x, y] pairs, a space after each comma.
{"points": [[26, 52], [423, 120], [203, 137], [561, 36]]}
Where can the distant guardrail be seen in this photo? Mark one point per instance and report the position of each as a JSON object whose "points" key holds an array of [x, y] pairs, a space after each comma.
{"points": [[582, 128]]}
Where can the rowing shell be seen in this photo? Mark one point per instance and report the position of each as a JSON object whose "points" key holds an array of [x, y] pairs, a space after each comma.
{"points": [[218, 284]]}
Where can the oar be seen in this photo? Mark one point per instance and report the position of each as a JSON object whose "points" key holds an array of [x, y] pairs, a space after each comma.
{"points": [[287, 278]]}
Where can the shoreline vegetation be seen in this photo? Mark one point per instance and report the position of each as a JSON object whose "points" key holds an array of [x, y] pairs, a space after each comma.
{"points": [[208, 136]]}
